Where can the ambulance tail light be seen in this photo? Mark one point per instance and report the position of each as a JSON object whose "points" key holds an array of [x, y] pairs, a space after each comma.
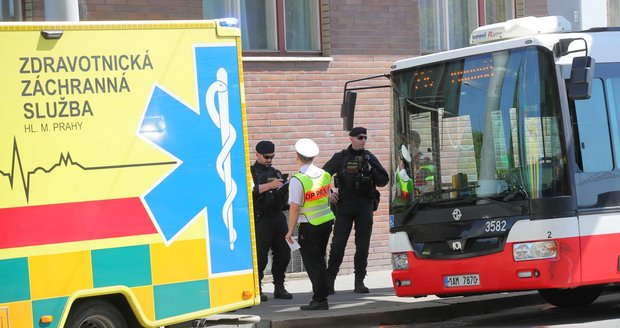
{"points": [[247, 294]]}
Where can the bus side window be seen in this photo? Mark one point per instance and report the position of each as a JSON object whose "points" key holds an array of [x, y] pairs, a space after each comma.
{"points": [[594, 147], [612, 88], [597, 184]]}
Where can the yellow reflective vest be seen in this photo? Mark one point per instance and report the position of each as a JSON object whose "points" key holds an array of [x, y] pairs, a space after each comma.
{"points": [[316, 198], [405, 186]]}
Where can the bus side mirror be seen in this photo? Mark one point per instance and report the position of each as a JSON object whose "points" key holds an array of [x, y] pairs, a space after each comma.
{"points": [[579, 86], [347, 110]]}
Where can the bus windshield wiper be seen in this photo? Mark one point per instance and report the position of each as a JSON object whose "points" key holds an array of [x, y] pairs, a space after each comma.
{"points": [[418, 201], [436, 193]]}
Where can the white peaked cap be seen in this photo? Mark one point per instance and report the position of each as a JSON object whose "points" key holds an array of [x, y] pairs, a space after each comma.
{"points": [[306, 148]]}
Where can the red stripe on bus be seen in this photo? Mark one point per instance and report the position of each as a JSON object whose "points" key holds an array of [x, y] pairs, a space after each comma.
{"points": [[61, 223]]}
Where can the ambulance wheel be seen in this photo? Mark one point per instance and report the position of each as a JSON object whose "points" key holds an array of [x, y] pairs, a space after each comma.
{"points": [[580, 296], [95, 314]]}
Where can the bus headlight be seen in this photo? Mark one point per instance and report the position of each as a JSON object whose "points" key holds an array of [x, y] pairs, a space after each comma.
{"points": [[400, 261], [534, 250]]}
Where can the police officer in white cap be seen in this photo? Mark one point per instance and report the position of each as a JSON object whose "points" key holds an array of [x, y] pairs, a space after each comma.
{"points": [[309, 208]]}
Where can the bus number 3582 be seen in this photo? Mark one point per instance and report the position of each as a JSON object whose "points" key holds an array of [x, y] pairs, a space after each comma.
{"points": [[495, 226]]}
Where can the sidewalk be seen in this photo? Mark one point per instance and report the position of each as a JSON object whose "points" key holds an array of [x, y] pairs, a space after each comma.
{"points": [[379, 307]]}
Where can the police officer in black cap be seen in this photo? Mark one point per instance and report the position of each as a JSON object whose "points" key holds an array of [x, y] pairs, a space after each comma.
{"points": [[270, 195], [357, 174]]}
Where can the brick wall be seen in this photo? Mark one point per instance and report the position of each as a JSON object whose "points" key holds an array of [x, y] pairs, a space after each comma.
{"points": [[536, 8], [287, 101], [99, 10], [374, 28]]}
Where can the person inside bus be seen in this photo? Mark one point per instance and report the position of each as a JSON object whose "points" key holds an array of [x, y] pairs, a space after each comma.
{"points": [[415, 171], [404, 182]]}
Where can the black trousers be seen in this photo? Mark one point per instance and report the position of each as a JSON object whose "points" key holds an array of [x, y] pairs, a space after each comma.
{"points": [[350, 212], [271, 228], [313, 241]]}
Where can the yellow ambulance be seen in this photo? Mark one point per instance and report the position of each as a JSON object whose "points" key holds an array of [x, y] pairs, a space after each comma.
{"points": [[124, 169]]}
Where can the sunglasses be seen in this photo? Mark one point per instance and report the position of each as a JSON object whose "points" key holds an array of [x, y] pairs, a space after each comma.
{"points": [[269, 156], [362, 137]]}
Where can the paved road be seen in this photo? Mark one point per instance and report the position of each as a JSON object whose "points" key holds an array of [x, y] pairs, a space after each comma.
{"points": [[379, 307]]}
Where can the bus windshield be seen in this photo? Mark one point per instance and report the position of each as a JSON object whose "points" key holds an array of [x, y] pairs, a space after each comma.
{"points": [[480, 128]]}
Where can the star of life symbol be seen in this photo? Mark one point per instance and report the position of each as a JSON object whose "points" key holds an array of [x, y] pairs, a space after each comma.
{"points": [[456, 214], [204, 141]]}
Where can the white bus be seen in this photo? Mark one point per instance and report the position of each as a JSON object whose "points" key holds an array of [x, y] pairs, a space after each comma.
{"points": [[505, 164]]}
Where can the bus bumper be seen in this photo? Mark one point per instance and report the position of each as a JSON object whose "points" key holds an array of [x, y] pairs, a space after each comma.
{"points": [[497, 272]]}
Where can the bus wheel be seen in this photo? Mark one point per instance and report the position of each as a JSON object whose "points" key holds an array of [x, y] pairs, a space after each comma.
{"points": [[95, 314], [580, 296]]}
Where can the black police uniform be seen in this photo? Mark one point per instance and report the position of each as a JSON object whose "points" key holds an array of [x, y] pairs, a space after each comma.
{"points": [[270, 223], [358, 173]]}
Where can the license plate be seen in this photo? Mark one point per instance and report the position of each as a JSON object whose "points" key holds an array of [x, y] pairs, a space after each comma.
{"points": [[461, 280]]}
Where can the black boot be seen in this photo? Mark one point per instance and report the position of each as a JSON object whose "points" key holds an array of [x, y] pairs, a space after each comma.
{"points": [[359, 286], [263, 297], [281, 292], [316, 305]]}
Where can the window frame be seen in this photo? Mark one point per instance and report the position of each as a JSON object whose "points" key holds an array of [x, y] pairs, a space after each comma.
{"points": [[442, 13], [445, 39], [281, 36], [612, 12], [17, 9], [482, 14], [234, 8]]}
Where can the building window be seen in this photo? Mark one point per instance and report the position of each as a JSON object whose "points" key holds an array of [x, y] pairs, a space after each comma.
{"points": [[447, 24], [10, 10], [496, 11], [614, 12], [272, 26]]}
